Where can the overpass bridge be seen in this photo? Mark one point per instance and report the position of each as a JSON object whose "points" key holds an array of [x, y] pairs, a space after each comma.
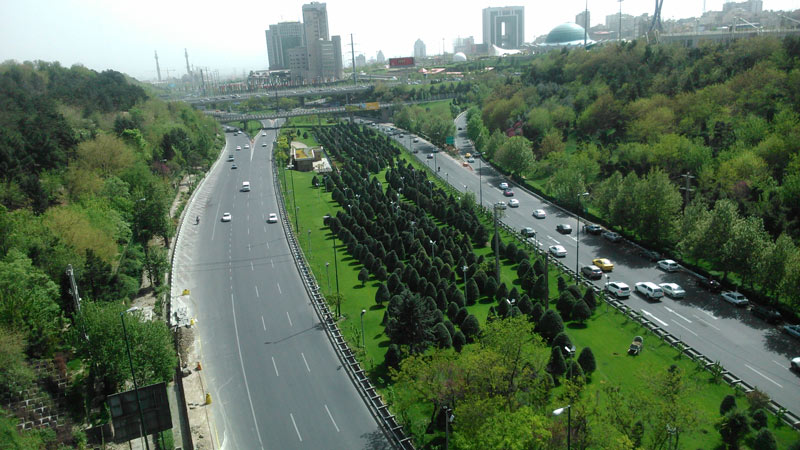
{"points": [[225, 117], [294, 91]]}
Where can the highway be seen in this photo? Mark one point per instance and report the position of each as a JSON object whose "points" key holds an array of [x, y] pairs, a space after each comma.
{"points": [[756, 352], [275, 380], [295, 91]]}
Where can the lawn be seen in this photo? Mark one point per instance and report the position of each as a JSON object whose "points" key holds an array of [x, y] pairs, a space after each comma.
{"points": [[608, 333]]}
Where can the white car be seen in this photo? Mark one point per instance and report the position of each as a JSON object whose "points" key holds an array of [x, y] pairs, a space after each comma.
{"points": [[558, 250], [673, 290], [618, 289], [246, 145], [470, 160], [503, 186], [273, 218], [514, 203], [795, 364], [500, 205], [735, 298], [264, 133], [238, 147], [668, 265], [539, 214], [264, 144], [226, 217]]}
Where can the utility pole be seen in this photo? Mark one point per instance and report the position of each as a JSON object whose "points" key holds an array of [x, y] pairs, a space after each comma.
{"points": [[686, 190], [158, 69], [496, 247], [353, 59], [586, 23], [188, 69], [619, 32]]}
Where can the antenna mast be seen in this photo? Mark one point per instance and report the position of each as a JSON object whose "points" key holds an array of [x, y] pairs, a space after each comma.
{"points": [[188, 69], [158, 69]]}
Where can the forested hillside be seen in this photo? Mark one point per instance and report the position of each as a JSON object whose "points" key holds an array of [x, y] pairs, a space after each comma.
{"points": [[89, 165], [627, 122]]}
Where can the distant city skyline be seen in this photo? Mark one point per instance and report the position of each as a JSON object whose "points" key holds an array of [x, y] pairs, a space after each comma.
{"points": [[123, 35]]}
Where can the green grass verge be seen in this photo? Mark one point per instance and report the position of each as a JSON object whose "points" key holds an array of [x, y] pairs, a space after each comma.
{"points": [[608, 332]]}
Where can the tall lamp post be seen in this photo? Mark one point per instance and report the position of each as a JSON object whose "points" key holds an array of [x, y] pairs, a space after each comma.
{"points": [[560, 411], [328, 274], [578, 248], [464, 269], [619, 33], [336, 271], [433, 248], [448, 418], [363, 339], [133, 374], [294, 200]]}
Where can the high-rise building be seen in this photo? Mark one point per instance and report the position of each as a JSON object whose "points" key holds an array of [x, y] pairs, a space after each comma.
{"points": [[464, 45], [280, 38], [584, 19], [419, 49], [380, 59], [504, 27], [315, 22], [361, 60], [337, 55]]}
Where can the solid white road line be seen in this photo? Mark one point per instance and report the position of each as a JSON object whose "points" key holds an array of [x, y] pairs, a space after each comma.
{"points": [[779, 364], [331, 416], [263, 324], [257, 292], [295, 427], [275, 366], [290, 319], [304, 360], [673, 312], [706, 322], [655, 318], [765, 377], [244, 374], [279, 288], [682, 326]]}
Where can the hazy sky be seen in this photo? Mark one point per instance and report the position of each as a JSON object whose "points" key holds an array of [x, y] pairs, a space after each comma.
{"points": [[122, 35]]}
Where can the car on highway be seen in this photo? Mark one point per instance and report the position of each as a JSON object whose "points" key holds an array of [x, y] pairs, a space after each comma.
{"points": [[233, 166], [503, 186], [592, 228], [564, 228], [668, 265], [795, 364], [430, 156], [514, 203], [226, 217], [592, 272], [264, 144], [246, 145], [508, 193], [230, 158], [238, 147], [672, 290], [539, 214], [264, 133], [794, 330], [766, 313], [735, 298], [649, 289], [415, 140], [528, 231], [612, 236], [273, 218], [709, 284], [470, 160], [558, 250], [604, 264], [500, 205], [618, 289]]}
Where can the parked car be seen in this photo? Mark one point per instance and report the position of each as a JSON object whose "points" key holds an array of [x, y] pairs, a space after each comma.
{"points": [[612, 236], [539, 214], [528, 231], [514, 203], [604, 264], [668, 265], [795, 364], [226, 217], [618, 289], [649, 289], [592, 272], [709, 284], [503, 185], [558, 250], [592, 228], [650, 254], [564, 228], [735, 298], [794, 330], [769, 315], [672, 290]]}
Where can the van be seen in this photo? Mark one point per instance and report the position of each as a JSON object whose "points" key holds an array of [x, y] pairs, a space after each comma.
{"points": [[245, 186], [650, 290]]}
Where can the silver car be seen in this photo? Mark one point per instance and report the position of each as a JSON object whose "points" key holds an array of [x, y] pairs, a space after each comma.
{"points": [[673, 290], [735, 298]]}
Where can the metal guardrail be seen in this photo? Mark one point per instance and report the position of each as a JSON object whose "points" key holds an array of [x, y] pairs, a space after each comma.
{"points": [[387, 421], [731, 379]]}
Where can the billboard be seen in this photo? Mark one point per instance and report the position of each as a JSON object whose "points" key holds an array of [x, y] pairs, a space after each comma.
{"points": [[401, 62], [372, 106]]}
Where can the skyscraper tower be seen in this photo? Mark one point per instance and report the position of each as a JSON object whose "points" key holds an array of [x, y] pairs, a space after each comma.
{"points": [[158, 69], [504, 27]]}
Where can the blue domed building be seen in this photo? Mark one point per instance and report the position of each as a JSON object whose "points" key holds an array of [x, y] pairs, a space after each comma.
{"points": [[566, 35]]}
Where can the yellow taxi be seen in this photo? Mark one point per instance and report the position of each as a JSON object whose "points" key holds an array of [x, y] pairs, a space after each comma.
{"points": [[604, 264], [468, 155]]}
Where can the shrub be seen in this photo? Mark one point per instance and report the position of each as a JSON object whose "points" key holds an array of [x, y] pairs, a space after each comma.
{"points": [[728, 403], [765, 440], [556, 366], [459, 340], [586, 360], [550, 325], [471, 327]]}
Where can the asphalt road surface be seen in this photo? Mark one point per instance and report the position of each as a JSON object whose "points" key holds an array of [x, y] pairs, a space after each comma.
{"points": [[756, 352], [275, 380]]}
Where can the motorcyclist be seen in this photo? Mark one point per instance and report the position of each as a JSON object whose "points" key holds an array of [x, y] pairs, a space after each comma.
{"points": [[197, 220]]}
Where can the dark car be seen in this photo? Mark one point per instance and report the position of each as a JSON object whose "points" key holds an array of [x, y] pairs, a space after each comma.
{"points": [[651, 255], [709, 284], [770, 315], [508, 193], [592, 229], [592, 272], [612, 236], [564, 228]]}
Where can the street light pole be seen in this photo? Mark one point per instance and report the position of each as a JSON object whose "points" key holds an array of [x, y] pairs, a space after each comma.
{"points": [[464, 269], [363, 339], [133, 374], [328, 274], [448, 417], [294, 200], [560, 411]]}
